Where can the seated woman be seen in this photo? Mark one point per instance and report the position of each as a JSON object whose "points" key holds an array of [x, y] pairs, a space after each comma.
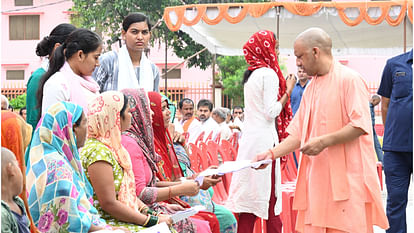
{"points": [[108, 165], [59, 193], [169, 168], [228, 222], [139, 142], [15, 136]]}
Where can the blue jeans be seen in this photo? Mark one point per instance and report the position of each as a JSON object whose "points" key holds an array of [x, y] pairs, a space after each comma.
{"points": [[398, 167]]}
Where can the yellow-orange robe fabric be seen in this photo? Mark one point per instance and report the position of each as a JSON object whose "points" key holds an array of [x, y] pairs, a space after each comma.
{"points": [[339, 188]]}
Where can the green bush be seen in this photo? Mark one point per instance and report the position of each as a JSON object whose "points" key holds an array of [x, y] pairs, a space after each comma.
{"points": [[18, 102]]}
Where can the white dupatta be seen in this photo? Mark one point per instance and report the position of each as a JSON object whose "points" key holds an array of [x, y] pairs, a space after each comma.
{"points": [[127, 78]]}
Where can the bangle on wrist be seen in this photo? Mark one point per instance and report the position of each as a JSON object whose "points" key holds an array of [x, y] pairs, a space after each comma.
{"points": [[147, 220], [287, 93], [151, 211], [143, 209], [169, 192], [273, 155], [151, 221]]}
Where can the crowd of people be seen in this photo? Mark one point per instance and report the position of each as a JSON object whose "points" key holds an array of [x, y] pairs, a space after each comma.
{"points": [[101, 150]]}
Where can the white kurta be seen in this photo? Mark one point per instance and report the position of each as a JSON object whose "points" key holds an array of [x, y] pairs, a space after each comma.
{"points": [[208, 126], [250, 189]]}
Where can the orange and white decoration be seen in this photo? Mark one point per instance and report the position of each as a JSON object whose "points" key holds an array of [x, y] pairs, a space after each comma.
{"points": [[365, 27]]}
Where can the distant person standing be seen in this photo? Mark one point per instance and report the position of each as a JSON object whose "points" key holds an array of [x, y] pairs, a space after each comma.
{"points": [[44, 48], [298, 90], [374, 101], [254, 193], [396, 89], [337, 187], [69, 75], [129, 68]]}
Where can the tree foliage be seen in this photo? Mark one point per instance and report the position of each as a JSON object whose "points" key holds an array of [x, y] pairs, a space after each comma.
{"points": [[18, 102], [231, 74], [105, 17], [232, 69]]}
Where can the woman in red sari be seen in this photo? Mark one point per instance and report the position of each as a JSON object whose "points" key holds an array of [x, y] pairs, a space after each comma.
{"points": [[169, 168]]}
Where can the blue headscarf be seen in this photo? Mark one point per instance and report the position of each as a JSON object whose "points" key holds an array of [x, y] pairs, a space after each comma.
{"points": [[60, 196]]}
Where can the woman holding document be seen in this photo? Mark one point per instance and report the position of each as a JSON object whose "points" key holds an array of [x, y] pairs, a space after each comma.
{"points": [[266, 95]]}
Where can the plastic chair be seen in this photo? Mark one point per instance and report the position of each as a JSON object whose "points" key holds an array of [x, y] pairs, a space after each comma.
{"points": [[218, 138], [379, 171], [199, 139], [212, 151], [260, 226], [195, 157], [234, 140], [209, 137]]}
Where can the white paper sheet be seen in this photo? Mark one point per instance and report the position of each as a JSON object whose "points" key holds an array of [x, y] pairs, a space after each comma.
{"points": [[180, 215]]}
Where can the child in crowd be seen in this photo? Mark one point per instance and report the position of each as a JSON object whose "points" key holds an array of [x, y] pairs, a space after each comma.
{"points": [[13, 214]]}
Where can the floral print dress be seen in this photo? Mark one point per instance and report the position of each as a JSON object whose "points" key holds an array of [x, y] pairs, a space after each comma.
{"points": [[92, 152]]}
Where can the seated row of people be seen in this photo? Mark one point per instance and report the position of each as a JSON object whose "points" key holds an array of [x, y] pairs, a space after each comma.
{"points": [[210, 123], [128, 181]]}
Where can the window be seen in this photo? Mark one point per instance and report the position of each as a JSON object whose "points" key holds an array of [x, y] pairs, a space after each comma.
{"points": [[23, 2], [24, 27], [173, 74], [15, 75]]}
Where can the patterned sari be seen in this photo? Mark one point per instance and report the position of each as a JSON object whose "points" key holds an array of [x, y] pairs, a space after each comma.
{"points": [[141, 132], [169, 168], [15, 136], [60, 196]]}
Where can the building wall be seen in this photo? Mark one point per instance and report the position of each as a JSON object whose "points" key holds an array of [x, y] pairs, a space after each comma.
{"points": [[157, 55], [21, 54]]}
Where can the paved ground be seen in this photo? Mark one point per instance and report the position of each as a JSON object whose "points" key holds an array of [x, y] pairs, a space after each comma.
{"points": [[410, 207]]}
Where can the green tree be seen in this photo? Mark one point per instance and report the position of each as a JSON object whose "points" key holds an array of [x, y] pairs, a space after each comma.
{"points": [[105, 17], [231, 71], [18, 102]]}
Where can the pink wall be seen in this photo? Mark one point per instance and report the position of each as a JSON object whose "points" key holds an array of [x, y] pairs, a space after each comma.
{"points": [[24, 51], [157, 55]]}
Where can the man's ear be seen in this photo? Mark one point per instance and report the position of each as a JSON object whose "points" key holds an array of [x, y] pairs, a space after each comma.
{"points": [[315, 51], [123, 32]]}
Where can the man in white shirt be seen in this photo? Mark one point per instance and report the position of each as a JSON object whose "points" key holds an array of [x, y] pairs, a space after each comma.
{"points": [[238, 116], [188, 123], [208, 124], [219, 115]]}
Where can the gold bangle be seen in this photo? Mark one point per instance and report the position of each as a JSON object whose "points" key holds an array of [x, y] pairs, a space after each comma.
{"points": [[147, 220], [169, 192]]}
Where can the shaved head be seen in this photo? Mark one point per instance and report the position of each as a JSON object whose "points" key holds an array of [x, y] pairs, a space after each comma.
{"points": [[7, 157], [316, 37], [313, 51]]}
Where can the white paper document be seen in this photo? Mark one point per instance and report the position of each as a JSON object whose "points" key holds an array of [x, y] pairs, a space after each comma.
{"points": [[233, 166], [180, 215]]}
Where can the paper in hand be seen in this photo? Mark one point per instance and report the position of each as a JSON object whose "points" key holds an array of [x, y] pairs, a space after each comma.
{"points": [[180, 215]]}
